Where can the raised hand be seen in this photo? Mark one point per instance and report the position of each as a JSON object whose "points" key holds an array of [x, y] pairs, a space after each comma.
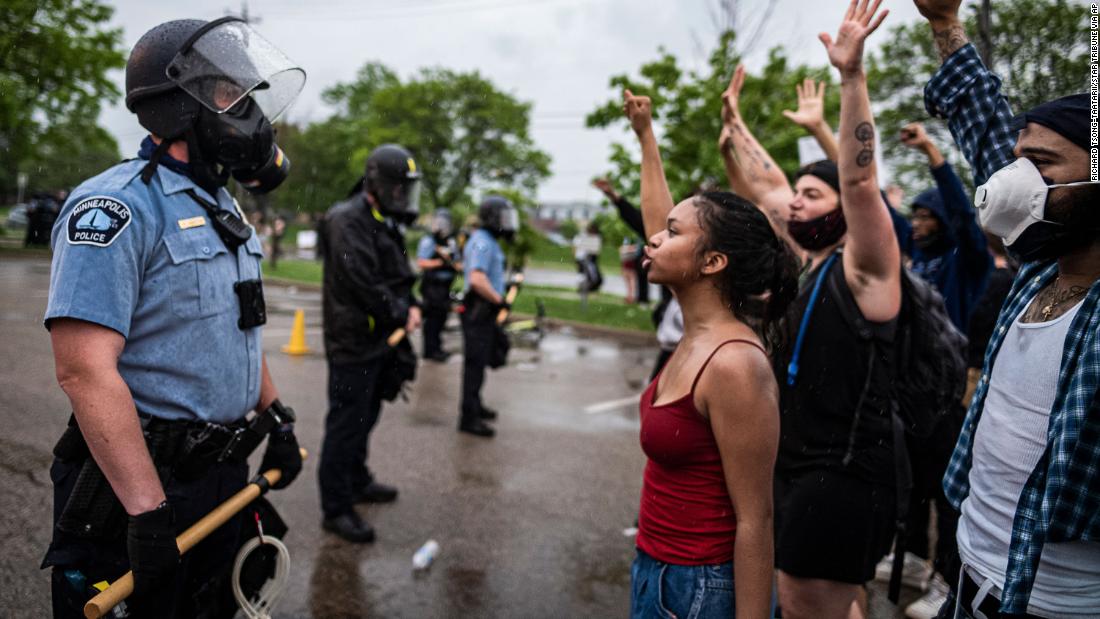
{"points": [[811, 104], [914, 136], [639, 109], [604, 185], [846, 53], [732, 95]]}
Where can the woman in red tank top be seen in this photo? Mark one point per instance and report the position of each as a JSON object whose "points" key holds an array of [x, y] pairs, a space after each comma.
{"points": [[710, 419]]}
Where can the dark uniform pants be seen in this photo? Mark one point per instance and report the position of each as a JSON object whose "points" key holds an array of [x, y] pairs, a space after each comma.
{"points": [[477, 338], [353, 408], [204, 571], [437, 296]]}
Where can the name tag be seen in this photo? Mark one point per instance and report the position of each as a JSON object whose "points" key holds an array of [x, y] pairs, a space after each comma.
{"points": [[192, 222]]}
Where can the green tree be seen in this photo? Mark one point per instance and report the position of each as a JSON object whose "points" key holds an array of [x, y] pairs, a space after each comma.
{"points": [[54, 59], [464, 133], [1039, 47], [687, 106], [569, 229]]}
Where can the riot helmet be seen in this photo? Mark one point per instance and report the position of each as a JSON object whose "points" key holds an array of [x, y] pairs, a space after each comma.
{"points": [[442, 223], [392, 179], [499, 217], [218, 86]]}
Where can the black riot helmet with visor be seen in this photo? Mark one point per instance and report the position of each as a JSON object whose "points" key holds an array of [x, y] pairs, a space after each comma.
{"points": [[442, 226], [218, 86], [393, 181], [499, 217]]}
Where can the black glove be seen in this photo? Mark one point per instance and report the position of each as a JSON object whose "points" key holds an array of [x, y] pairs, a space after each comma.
{"points": [[283, 454], [154, 559], [503, 305]]}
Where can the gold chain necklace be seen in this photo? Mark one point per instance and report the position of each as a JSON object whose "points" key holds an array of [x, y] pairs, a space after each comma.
{"points": [[1056, 302]]}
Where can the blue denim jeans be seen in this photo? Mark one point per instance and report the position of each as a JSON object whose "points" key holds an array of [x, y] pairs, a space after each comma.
{"points": [[659, 589]]}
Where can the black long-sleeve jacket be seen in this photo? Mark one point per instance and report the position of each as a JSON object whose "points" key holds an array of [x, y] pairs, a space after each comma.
{"points": [[367, 281]]}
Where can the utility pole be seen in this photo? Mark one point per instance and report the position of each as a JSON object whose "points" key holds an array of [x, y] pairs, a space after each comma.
{"points": [[985, 33], [245, 15]]}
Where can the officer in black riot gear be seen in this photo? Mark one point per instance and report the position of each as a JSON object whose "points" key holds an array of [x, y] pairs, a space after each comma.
{"points": [[159, 352], [367, 296], [436, 255], [483, 262]]}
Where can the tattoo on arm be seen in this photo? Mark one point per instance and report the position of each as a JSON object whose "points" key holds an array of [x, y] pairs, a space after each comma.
{"points": [[949, 40], [865, 133]]}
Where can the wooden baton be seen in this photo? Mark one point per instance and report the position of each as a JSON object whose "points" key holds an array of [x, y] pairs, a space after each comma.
{"points": [[123, 587], [513, 292]]}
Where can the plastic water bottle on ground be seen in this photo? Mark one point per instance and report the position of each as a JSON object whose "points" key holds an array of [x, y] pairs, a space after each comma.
{"points": [[423, 558]]}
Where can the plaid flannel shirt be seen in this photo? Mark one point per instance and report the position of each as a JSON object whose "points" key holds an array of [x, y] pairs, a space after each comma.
{"points": [[1061, 500]]}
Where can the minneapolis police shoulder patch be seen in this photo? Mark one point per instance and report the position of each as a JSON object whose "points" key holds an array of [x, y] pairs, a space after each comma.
{"points": [[97, 221]]}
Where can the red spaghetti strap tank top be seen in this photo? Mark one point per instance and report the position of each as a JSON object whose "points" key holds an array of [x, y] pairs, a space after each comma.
{"points": [[686, 516]]}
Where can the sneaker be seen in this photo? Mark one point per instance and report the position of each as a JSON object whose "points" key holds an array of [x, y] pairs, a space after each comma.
{"points": [[487, 413], [929, 606], [915, 571]]}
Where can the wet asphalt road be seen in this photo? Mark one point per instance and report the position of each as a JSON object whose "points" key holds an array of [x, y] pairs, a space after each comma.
{"points": [[530, 523]]}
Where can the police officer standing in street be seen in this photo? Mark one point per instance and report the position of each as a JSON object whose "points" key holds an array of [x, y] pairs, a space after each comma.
{"points": [[154, 313], [435, 256], [367, 296], [483, 262]]}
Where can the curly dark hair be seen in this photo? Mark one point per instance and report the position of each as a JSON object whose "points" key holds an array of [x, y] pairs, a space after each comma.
{"points": [[761, 280]]}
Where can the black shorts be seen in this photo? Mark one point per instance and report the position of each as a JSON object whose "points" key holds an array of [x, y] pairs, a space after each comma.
{"points": [[832, 525]]}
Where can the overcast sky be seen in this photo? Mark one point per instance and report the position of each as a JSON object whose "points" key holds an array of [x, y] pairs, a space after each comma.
{"points": [[557, 54]]}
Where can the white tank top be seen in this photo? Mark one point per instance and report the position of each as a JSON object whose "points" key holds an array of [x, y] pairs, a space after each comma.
{"points": [[1010, 438]]}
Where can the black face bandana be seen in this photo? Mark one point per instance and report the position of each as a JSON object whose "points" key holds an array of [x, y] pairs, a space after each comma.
{"points": [[819, 233]]}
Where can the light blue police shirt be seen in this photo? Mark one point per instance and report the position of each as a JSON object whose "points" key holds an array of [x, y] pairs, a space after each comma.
{"points": [[145, 261], [425, 249], [483, 253]]}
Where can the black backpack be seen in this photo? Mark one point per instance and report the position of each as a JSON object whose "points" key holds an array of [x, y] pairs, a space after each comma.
{"points": [[930, 357]]}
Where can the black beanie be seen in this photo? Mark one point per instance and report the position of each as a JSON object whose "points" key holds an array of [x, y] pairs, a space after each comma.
{"points": [[1068, 117], [825, 170]]}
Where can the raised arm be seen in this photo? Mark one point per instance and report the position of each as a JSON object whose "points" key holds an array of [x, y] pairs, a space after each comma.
{"points": [[872, 261], [810, 115], [967, 94], [656, 197], [735, 174], [766, 185], [914, 136], [629, 213]]}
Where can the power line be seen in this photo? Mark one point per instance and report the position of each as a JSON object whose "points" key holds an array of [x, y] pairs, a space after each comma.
{"points": [[414, 11]]}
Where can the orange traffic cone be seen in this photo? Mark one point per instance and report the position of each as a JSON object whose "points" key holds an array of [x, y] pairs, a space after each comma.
{"points": [[297, 344]]}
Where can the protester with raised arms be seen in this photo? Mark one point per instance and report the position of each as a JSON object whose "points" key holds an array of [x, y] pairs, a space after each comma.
{"points": [[835, 472]]}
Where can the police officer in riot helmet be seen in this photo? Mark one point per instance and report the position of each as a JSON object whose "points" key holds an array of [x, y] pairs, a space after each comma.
{"points": [[436, 257], [154, 312], [367, 296], [483, 263]]}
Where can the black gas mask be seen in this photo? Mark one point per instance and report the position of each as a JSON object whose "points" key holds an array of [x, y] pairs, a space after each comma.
{"points": [[242, 142]]}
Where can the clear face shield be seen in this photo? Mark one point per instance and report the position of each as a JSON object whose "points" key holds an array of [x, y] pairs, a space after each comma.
{"points": [[442, 225], [509, 220], [227, 60]]}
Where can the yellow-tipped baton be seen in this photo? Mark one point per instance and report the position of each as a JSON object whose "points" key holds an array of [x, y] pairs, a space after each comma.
{"points": [[123, 587]]}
